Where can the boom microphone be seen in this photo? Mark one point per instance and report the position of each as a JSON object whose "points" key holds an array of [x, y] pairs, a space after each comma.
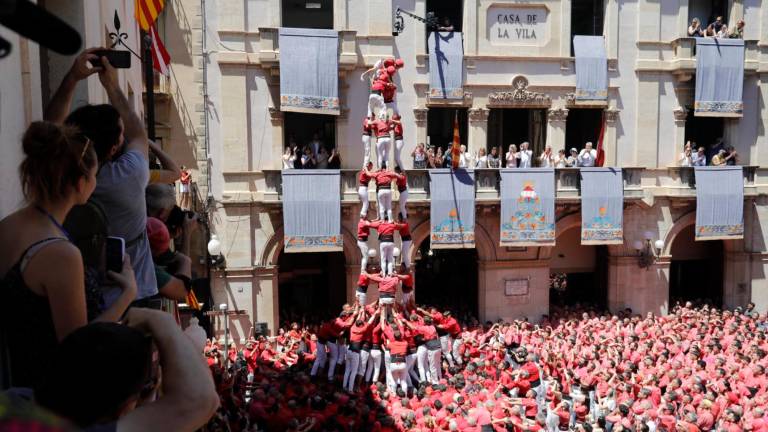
{"points": [[35, 23]]}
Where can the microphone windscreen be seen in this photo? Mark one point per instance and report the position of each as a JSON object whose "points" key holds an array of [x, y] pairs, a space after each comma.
{"points": [[35, 23]]}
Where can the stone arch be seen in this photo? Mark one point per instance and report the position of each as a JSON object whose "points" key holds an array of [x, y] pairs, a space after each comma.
{"points": [[486, 249], [274, 247], [687, 220]]}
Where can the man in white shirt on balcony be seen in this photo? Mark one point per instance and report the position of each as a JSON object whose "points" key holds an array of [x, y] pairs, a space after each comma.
{"points": [[525, 155], [588, 156]]}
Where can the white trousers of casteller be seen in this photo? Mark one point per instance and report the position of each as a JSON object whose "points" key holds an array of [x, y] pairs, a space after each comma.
{"points": [[351, 365], [384, 198], [382, 150]]}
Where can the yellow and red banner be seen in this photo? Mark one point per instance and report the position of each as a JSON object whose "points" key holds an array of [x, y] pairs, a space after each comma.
{"points": [[147, 12]]}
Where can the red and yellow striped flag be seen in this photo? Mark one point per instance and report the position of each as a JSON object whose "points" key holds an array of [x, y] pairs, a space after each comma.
{"points": [[456, 148], [147, 12]]}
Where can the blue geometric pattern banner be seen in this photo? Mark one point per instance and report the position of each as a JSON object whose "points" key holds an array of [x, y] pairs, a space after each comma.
{"points": [[452, 211], [719, 77], [309, 70], [527, 207], [719, 203], [602, 206], [312, 210]]}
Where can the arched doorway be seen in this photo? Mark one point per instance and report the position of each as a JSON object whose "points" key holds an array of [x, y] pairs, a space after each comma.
{"points": [[311, 286], [447, 279], [696, 270], [578, 273]]}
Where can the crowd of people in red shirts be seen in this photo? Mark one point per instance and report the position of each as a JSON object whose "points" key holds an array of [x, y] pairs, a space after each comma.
{"points": [[695, 369]]}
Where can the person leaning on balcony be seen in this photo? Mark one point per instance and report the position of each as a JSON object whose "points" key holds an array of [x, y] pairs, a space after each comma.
{"points": [[719, 158], [493, 158], [710, 31], [700, 158], [723, 33], [419, 156], [694, 30], [738, 31], [731, 157], [686, 157], [573, 160]]}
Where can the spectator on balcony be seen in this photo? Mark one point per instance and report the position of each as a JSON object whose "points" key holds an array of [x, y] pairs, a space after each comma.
{"points": [[315, 145], [695, 30], [700, 158], [719, 158], [419, 156], [572, 161], [547, 158], [560, 160], [717, 24], [710, 31], [493, 158], [686, 157], [308, 159], [186, 182], [731, 157], [436, 159], [524, 156], [289, 158], [481, 160], [715, 148], [723, 32], [41, 271], [334, 160], [322, 158], [511, 157], [738, 31], [465, 160], [445, 25], [587, 156]]}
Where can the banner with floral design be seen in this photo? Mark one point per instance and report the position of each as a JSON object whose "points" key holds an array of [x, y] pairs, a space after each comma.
{"points": [[309, 70], [602, 206], [527, 207], [452, 208], [312, 210], [719, 203]]}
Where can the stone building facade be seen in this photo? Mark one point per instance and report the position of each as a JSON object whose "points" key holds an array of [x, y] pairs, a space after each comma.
{"points": [[651, 68]]}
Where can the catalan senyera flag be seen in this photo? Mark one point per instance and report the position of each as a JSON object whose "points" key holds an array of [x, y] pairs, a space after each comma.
{"points": [[456, 148], [161, 60], [147, 12], [600, 160]]}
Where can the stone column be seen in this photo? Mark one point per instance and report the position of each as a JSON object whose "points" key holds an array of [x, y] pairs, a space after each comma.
{"points": [[681, 115], [478, 129], [609, 140], [420, 118], [736, 279], [556, 128], [642, 290], [278, 136], [265, 297], [470, 22]]}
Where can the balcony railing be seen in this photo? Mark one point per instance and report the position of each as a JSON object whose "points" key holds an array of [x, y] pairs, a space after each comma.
{"points": [[639, 183]]}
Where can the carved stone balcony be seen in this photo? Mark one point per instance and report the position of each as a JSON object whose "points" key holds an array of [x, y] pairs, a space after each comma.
{"points": [[680, 182], [678, 56]]}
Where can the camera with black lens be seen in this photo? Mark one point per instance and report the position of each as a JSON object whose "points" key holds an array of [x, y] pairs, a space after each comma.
{"points": [[176, 218]]}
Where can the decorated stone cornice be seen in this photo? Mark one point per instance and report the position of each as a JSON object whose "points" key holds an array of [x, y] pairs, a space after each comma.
{"points": [[477, 115], [611, 114], [420, 115], [275, 114], [520, 96], [680, 113], [557, 114]]}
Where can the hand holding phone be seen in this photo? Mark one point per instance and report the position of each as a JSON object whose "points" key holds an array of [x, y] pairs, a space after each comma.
{"points": [[118, 59], [115, 252]]}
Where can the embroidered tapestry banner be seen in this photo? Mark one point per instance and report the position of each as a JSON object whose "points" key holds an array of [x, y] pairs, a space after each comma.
{"points": [[602, 206], [309, 70], [527, 207], [719, 77], [446, 65], [719, 203], [591, 68], [452, 218], [312, 210]]}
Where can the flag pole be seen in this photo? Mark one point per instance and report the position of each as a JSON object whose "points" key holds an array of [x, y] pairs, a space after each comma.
{"points": [[149, 85]]}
